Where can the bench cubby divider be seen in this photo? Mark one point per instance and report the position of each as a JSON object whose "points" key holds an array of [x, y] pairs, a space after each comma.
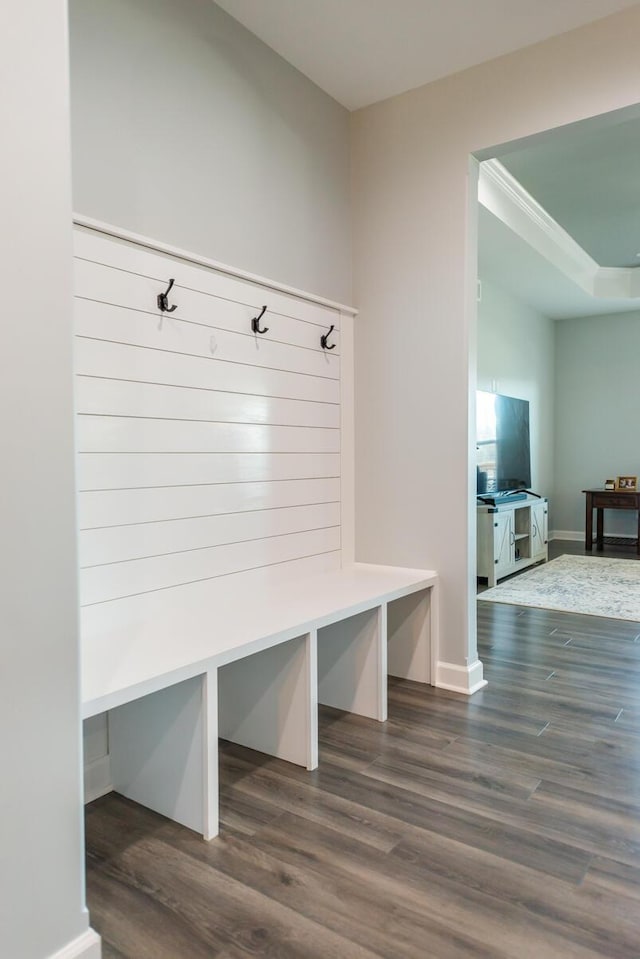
{"points": [[164, 752]]}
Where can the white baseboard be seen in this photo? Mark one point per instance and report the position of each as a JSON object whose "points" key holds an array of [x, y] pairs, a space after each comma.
{"points": [[97, 779], [577, 536], [86, 946], [574, 536], [460, 679]]}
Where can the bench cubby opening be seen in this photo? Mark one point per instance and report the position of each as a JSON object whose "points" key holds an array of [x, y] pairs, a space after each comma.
{"points": [[352, 664], [410, 647], [268, 701]]}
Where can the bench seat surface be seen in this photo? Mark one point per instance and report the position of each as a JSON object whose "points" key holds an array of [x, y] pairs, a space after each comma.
{"points": [[138, 645]]}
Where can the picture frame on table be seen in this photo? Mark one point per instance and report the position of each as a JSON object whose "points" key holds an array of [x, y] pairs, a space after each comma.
{"points": [[627, 484], [609, 484]]}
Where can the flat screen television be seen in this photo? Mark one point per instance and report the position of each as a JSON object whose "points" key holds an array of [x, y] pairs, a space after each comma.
{"points": [[504, 451]]}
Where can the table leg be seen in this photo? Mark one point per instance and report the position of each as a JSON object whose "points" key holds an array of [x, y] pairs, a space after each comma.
{"points": [[600, 530], [638, 541], [588, 526]]}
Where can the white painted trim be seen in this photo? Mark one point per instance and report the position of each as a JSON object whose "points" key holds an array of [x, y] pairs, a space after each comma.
{"points": [[86, 946], [460, 679], [434, 630], [508, 200], [97, 779], [572, 535], [106, 228], [312, 698], [494, 175], [347, 442], [210, 759], [577, 535]]}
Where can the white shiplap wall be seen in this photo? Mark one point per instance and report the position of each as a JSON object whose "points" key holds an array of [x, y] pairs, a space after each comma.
{"points": [[204, 450]]}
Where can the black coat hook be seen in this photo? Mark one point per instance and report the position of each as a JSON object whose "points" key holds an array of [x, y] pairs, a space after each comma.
{"points": [[163, 300], [325, 337], [255, 322]]}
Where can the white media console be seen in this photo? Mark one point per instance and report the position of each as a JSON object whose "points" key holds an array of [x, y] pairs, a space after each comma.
{"points": [[511, 536]]}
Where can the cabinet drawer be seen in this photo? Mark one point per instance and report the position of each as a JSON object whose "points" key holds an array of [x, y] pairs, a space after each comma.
{"points": [[618, 501]]}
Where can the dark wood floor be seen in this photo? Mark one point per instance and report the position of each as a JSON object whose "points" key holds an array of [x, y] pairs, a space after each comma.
{"points": [[501, 826]]}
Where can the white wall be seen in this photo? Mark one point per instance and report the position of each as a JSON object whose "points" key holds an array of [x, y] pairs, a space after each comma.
{"points": [[414, 265], [186, 128], [598, 397], [516, 349], [41, 906]]}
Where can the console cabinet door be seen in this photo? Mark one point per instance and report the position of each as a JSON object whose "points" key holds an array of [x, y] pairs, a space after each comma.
{"points": [[539, 525], [503, 543]]}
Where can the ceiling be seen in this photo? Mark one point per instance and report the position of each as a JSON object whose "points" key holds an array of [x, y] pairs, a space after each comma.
{"points": [[507, 261], [362, 51], [588, 179], [585, 176]]}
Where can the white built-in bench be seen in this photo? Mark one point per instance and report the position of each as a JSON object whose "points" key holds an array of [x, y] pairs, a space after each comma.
{"points": [[219, 594], [179, 669]]}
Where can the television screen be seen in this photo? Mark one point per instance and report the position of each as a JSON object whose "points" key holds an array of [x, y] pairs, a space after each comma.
{"points": [[504, 458]]}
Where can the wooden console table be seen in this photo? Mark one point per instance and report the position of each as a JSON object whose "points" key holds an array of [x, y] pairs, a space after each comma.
{"points": [[600, 500]]}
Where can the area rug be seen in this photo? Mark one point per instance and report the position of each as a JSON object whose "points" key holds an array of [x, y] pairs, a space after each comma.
{"points": [[592, 585]]}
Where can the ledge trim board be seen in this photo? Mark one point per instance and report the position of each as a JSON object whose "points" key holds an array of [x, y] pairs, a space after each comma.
{"points": [[119, 234], [86, 946], [460, 679]]}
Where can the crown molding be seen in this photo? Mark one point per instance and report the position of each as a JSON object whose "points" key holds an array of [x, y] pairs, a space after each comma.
{"points": [[506, 198]]}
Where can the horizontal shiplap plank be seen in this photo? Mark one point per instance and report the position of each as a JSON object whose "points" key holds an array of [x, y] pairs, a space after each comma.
{"points": [[96, 621], [93, 281], [103, 583], [117, 544], [123, 398], [121, 434], [161, 266], [125, 506], [133, 470], [122, 362], [121, 325]]}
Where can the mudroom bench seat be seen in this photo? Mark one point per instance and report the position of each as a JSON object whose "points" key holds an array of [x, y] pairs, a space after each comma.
{"points": [[248, 661]]}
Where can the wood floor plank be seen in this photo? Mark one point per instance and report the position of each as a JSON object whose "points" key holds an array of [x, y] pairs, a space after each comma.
{"points": [[135, 921], [280, 783], [613, 877], [433, 767], [370, 916], [255, 924], [490, 921]]}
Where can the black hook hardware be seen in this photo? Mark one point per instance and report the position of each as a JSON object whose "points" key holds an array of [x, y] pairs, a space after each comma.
{"points": [[325, 337], [163, 300], [255, 322]]}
